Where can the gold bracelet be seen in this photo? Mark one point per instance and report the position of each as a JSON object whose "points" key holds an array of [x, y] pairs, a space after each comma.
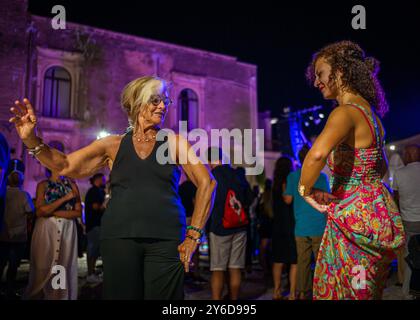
{"points": [[302, 189]]}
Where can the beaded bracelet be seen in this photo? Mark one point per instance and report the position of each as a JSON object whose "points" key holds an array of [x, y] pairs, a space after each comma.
{"points": [[195, 229]]}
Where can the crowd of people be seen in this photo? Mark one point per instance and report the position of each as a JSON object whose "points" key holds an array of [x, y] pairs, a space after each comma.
{"points": [[48, 230], [147, 228], [287, 230]]}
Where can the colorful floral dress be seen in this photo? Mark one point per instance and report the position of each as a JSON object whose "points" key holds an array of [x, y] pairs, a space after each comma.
{"points": [[363, 229]]}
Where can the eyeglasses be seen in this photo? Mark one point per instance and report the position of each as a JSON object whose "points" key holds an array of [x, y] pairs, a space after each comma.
{"points": [[157, 99]]}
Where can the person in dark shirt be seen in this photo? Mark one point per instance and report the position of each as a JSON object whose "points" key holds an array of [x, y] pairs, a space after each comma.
{"points": [[248, 200], [187, 191], [284, 250], [227, 245], [265, 227], [14, 235], [94, 209]]}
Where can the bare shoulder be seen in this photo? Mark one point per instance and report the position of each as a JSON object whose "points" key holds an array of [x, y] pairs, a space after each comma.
{"points": [[354, 112], [172, 136], [109, 144], [176, 140], [342, 114], [110, 141], [180, 138], [341, 110]]}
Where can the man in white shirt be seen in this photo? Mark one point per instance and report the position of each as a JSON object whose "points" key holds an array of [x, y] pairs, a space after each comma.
{"points": [[406, 187]]}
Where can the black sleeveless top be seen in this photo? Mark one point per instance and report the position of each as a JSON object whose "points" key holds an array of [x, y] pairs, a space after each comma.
{"points": [[144, 197]]}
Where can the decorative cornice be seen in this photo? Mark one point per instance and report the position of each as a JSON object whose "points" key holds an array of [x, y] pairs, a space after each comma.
{"points": [[145, 41]]}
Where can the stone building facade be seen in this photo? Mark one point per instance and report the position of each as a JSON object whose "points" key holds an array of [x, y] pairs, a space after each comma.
{"points": [[74, 78]]}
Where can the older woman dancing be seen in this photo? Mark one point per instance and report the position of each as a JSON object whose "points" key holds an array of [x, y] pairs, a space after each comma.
{"points": [[144, 241]]}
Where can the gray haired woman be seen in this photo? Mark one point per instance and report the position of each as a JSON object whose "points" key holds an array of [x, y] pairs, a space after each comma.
{"points": [[144, 240]]}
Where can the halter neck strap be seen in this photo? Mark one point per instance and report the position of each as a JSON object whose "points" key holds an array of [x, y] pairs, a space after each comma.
{"points": [[373, 123]]}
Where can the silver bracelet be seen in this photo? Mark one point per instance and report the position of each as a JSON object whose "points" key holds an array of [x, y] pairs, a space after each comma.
{"points": [[35, 151]]}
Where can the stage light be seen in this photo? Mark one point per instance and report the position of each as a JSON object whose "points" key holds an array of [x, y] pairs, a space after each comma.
{"points": [[102, 134], [306, 124], [317, 121], [311, 118], [274, 120], [392, 148], [321, 115]]}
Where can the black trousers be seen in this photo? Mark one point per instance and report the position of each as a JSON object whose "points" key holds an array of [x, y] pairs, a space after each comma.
{"points": [[142, 269], [11, 254]]}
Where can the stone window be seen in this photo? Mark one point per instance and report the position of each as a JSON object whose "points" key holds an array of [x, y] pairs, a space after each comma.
{"points": [[188, 108], [57, 93]]}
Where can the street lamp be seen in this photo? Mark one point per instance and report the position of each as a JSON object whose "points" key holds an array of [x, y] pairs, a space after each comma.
{"points": [[102, 134]]}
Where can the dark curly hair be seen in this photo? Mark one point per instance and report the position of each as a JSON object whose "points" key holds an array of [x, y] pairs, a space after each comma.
{"points": [[359, 73]]}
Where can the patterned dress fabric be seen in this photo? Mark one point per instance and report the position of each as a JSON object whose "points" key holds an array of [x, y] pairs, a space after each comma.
{"points": [[364, 229]]}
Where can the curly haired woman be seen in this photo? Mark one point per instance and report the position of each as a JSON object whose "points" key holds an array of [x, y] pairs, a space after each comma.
{"points": [[364, 227]]}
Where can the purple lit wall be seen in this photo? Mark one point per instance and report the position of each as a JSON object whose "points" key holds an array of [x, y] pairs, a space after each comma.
{"points": [[99, 63]]}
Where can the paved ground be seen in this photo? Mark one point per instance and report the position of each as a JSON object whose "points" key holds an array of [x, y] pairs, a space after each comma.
{"points": [[253, 287], [392, 292]]}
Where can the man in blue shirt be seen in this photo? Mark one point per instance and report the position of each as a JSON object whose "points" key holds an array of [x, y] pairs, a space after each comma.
{"points": [[309, 226]]}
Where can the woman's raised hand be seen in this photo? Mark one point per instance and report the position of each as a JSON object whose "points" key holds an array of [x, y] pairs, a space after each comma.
{"points": [[24, 119]]}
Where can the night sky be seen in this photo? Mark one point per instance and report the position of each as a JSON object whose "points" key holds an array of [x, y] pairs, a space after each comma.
{"points": [[279, 39]]}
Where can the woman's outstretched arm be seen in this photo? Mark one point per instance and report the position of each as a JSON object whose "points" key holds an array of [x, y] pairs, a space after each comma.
{"points": [[78, 164]]}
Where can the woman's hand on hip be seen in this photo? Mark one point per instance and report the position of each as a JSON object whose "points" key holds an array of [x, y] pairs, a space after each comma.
{"points": [[317, 206], [323, 197], [320, 200]]}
